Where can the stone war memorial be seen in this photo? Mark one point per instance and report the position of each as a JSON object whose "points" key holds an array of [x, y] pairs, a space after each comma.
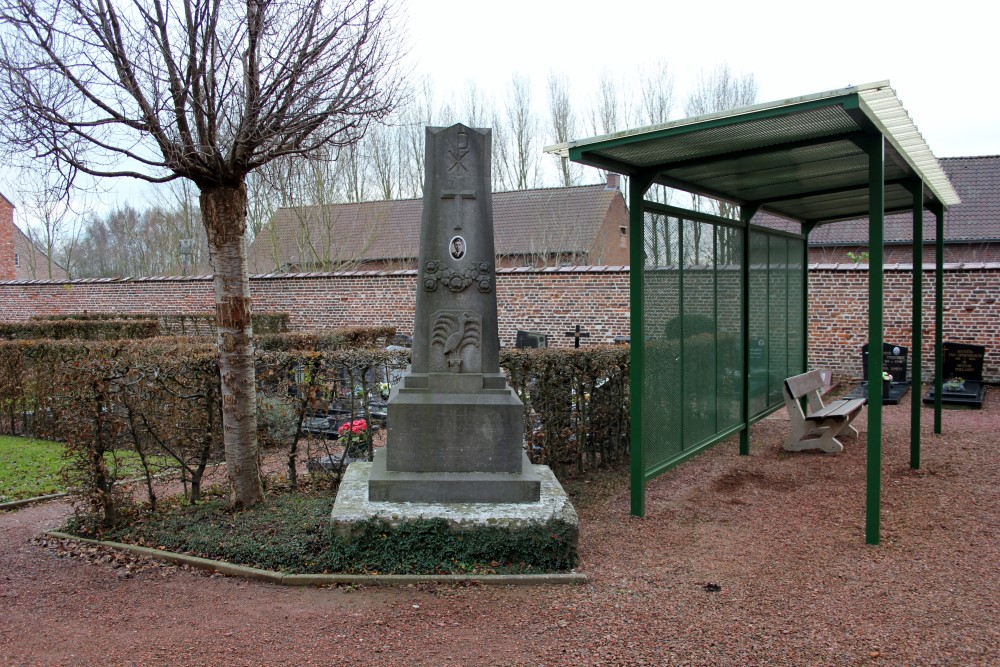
{"points": [[454, 448]]}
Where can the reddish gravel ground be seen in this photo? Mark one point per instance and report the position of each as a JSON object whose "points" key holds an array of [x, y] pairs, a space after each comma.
{"points": [[781, 535]]}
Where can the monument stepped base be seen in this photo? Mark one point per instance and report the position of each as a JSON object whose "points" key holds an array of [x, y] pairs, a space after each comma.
{"points": [[551, 524], [453, 487]]}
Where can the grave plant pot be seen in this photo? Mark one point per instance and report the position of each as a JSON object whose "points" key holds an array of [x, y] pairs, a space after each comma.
{"points": [[954, 385], [886, 388]]}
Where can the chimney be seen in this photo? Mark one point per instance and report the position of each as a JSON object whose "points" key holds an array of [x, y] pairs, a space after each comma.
{"points": [[6, 239], [614, 181]]}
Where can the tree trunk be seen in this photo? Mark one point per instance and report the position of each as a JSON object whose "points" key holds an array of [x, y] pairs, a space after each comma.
{"points": [[224, 211]]}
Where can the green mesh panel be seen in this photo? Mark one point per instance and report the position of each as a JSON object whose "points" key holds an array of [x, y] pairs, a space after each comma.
{"points": [[693, 290], [661, 392], [759, 317], [728, 316]]}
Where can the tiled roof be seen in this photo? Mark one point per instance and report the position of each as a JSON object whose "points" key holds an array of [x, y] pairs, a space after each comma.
{"points": [[524, 222], [976, 219]]}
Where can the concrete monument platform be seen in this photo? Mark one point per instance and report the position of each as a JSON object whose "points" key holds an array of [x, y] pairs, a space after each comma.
{"points": [[524, 486], [354, 506]]}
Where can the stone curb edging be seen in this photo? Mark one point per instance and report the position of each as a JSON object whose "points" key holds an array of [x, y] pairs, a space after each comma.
{"points": [[280, 578], [14, 504]]}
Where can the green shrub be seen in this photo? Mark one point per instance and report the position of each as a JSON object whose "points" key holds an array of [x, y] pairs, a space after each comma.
{"points": [[105, 329], [292, 534], [576, 404]]}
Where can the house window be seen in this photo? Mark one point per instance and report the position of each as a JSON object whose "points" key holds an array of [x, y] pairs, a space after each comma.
{"points": [[17, 259]]}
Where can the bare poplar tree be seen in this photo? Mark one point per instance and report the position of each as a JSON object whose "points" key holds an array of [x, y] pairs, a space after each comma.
{"points": [[474, 105], [719, 90], [516, 146], [562, 123], [656, 94], [207, 90]]}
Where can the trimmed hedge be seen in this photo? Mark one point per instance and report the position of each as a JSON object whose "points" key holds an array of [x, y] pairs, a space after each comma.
{"points": [[104, 329], [182, 324], [576, 405], [160, 397]]}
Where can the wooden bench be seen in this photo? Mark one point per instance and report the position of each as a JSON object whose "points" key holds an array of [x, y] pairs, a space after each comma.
{"points": [[820, 427]]}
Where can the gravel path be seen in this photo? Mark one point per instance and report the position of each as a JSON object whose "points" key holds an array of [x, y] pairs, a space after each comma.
{"points": [[780, 535]]}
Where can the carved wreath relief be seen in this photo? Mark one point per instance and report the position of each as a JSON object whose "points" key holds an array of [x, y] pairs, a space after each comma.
{"points": [[457, 280], [456, 336]]}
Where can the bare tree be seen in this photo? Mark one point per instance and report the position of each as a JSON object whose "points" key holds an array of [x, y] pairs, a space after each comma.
{"points": [[611, 108], [656, 94], [52, 227], [209, 91], [563, 124], [719, 90], [515, 137], [474, 105]]}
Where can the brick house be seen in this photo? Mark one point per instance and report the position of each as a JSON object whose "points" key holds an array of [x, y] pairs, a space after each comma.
{"points": [[581, 225], [20, 258], [972, 228]]}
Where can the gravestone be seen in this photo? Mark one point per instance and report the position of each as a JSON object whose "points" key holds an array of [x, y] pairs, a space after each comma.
{"points": [[895, 362], [962, 368], [455, 426], [530, 339]]}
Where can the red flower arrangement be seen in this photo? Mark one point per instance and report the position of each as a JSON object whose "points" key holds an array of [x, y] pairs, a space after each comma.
{"points": [[356, 427]]}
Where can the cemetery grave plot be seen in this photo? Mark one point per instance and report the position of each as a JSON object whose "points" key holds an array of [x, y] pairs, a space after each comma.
{"points": [[895, 360], [962, 376]]}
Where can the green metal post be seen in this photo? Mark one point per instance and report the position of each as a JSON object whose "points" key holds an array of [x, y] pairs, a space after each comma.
{"points": [[938, 315], [876, 285], [746, 213], [637, 349], [805, 302], [917, 338]]}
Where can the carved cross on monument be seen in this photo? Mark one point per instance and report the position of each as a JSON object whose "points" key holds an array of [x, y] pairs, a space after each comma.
{"points": [[577, 335], [458, 197]]}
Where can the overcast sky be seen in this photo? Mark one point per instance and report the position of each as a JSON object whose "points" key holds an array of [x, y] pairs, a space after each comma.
{"points": [[940, 57]]}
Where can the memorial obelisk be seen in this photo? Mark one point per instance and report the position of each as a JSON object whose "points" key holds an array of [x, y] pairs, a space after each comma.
{"points": [[455, 426]]}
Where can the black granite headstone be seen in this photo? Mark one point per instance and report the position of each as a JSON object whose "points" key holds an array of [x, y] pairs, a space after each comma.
{"points": [[758, 354], [965, 361], [527, 339], [963, 376], [895, 361]]}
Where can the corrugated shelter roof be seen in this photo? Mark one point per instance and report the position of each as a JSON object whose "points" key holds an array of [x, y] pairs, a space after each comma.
{"points": [[803, 158], [563, 220], [976, 219]]}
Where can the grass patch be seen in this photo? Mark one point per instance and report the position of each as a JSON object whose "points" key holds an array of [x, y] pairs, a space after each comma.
{"points": [[291, 533], [29, 468]]}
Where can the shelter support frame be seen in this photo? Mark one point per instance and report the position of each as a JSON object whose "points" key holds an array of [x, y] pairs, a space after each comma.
{"points": [[815, 160]]}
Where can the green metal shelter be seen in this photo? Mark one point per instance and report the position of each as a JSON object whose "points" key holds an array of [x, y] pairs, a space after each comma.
{"points": [[720, 304]]}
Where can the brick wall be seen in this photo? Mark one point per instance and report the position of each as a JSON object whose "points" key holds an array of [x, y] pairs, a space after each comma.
{"points": [[838, 313], [551, 301], [7, 251]]}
